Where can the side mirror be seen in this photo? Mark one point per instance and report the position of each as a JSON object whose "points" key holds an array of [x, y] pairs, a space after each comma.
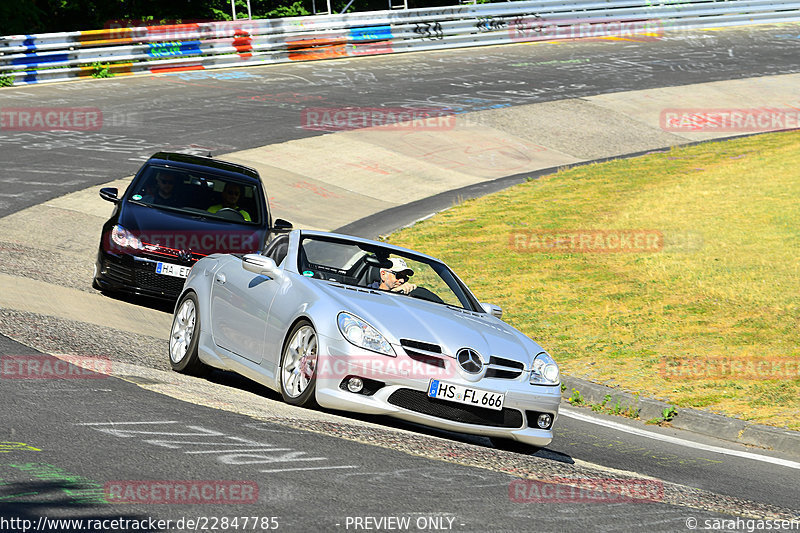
{"points": [[281, 225], [261, 264], [493, 310], [109, 194]]}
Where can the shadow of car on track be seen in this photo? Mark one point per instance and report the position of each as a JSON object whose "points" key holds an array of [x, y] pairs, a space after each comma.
{"points": [[155, 304], [231, 379]]}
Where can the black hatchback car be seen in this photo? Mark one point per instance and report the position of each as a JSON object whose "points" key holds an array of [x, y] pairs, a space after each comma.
{"points": [[177, 209]]}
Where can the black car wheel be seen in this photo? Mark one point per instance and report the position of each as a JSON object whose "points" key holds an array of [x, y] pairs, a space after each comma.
{"points": [[299, 365]]}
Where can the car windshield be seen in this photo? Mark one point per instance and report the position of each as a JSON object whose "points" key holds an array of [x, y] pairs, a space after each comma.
{"points": [[197, 193], [375, 267]]}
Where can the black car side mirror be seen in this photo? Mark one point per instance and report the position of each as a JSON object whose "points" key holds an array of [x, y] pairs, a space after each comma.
{"points": [[282, 225], [109, 194]]}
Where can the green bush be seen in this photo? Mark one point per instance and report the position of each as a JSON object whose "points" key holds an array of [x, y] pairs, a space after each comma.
{"points": [[101, 70], [576, 398], [294, 10]]}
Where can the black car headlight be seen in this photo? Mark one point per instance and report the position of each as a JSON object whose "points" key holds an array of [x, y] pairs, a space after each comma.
{"points": [[124, 238], [360, 333], [545, 371]]}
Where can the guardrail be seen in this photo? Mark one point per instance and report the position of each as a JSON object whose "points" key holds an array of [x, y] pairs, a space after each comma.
{"points": [[60, 56]]}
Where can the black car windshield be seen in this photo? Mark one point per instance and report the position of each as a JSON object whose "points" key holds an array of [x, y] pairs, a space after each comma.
{"points": [[375, 267], [197, 193]]}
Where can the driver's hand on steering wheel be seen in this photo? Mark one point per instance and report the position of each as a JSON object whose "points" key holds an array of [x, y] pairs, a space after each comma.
{"points": [[404, 288]]}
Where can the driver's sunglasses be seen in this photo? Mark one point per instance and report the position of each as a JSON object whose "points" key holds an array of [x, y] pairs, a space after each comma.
{"points": [[399, 275]]}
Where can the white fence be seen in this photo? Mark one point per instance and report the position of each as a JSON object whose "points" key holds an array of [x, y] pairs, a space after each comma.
{"points": [[60, 56]]}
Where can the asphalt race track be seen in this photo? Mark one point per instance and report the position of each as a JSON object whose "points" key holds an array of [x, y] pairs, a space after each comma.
{"points": [[64, 442]]}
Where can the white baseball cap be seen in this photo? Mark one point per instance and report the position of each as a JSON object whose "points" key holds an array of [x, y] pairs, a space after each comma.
{"points": [[399, 266]]}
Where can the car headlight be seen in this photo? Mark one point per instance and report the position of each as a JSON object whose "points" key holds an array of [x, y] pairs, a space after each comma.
{"points": [[125, 238], [363, 335], [545, 371]]}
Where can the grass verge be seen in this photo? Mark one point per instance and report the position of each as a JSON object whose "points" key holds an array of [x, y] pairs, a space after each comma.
{"points": [[707, 318]]}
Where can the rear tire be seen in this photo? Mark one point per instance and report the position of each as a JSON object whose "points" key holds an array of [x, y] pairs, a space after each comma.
{"points": [[184, 336], [299, 366]]}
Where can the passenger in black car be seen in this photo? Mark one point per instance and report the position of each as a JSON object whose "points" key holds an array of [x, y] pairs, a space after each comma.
{"points": [[165, 192]]}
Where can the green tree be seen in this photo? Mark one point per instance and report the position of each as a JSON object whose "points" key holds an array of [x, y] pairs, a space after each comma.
{"points": [[19, 17]]}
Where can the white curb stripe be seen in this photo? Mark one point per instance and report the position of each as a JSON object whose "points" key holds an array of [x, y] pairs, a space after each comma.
{"points": [[675, 440]]}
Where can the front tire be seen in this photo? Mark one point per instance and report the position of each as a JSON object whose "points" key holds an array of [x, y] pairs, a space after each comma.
{"points": [[299, 366], [184, 336]]}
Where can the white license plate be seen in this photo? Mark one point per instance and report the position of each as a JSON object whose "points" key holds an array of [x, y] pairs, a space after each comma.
{"points": [[168, 269], [466, 395]]}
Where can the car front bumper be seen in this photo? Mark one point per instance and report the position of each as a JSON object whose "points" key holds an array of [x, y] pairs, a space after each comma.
{"points": [[135, 275], [397, 386]]}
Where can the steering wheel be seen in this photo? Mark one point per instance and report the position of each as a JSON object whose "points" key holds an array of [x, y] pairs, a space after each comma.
{"points": [[425, 294], [230, 214]]}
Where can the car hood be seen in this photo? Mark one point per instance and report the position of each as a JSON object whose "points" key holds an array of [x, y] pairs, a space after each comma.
{"points": [[403, 317], [184, 231]]}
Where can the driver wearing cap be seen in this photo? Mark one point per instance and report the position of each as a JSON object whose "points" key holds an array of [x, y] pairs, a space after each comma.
{"points": [[395, 278]]}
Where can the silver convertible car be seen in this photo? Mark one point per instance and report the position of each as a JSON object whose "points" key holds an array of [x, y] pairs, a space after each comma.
{"points": [[364, 326]]}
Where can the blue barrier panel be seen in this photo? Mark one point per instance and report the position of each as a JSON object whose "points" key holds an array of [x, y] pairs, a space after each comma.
{"points": [[371, 33], [32, 60], [174, 48]]}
